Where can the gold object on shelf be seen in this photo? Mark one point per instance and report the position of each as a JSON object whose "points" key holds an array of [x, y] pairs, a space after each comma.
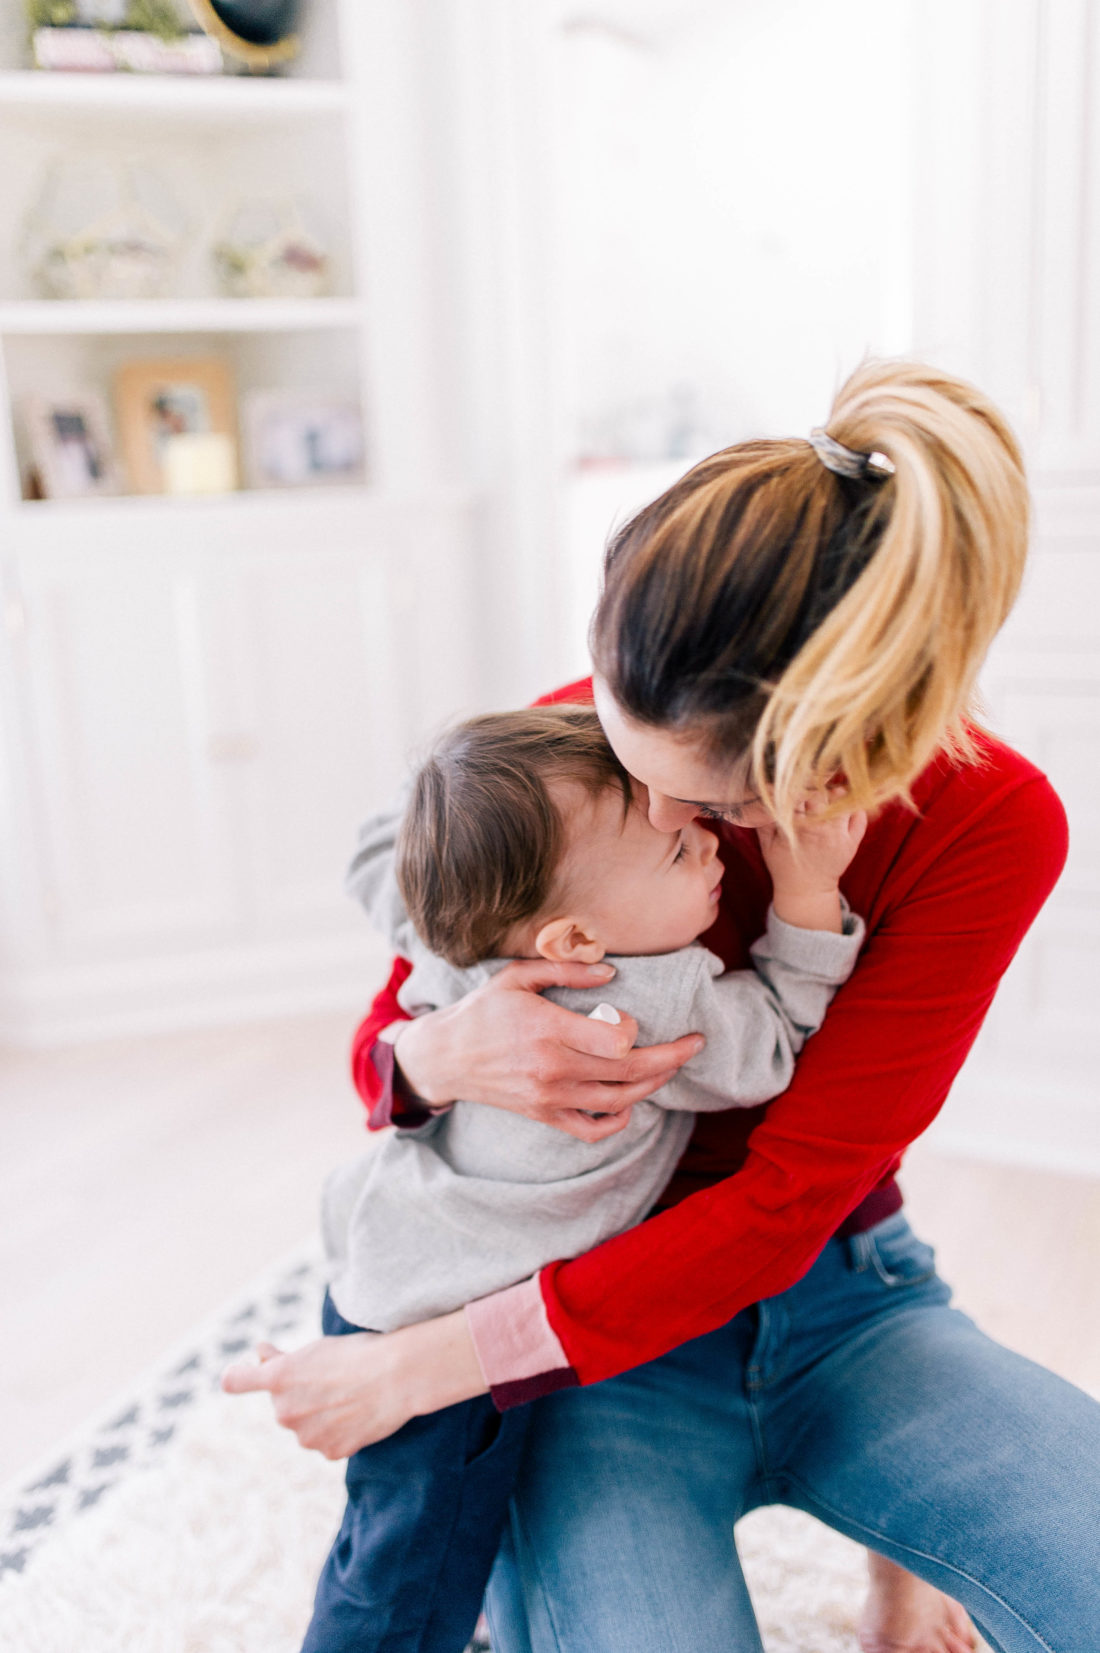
{"points": [[253, 54]]}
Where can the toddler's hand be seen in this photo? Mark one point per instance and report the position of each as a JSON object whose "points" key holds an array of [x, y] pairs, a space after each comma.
{"points": [[805, 872]]}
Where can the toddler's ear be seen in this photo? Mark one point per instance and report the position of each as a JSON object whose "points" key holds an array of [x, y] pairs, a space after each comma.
{"points": [[564, 941]]}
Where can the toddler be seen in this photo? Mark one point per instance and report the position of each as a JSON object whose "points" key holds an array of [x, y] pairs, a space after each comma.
{"points": [[522, 838]]}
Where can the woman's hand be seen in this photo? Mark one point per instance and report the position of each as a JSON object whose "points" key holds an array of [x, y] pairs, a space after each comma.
{"points": [[506, 1046], [341, 1393]]}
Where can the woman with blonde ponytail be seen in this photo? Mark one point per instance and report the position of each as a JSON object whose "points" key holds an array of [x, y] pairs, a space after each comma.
{"points": [[793, 626], [853, 610]]}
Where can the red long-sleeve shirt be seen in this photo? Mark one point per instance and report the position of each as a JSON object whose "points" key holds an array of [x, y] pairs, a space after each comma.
{"points": [[948, 893]]}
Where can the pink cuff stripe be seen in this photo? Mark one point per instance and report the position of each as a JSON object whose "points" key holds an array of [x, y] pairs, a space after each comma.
{"points": [[517, 1350]]}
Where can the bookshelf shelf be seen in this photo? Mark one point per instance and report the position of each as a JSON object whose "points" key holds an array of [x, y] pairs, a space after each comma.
{"points": [[46, 318], [214, 98]]}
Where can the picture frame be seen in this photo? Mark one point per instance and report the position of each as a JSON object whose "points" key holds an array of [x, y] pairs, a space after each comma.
{"points": [[188, 398], [70, 445], [302, 439]]}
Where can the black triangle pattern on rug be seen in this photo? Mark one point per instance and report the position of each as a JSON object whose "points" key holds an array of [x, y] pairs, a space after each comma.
{"points": [[285, 1306], [139, 1427]]}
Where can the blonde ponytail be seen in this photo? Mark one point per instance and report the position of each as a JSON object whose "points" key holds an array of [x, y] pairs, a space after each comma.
{"points": [[800, 623], [887, 680]]}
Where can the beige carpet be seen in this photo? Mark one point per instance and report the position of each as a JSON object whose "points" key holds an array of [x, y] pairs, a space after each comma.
{"points": [[184, 1521]]}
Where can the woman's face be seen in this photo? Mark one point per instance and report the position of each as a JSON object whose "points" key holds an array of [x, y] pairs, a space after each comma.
{"points": [[681, 782]]}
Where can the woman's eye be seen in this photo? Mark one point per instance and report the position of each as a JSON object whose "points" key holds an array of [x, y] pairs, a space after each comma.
{"points": [[730, 815]]}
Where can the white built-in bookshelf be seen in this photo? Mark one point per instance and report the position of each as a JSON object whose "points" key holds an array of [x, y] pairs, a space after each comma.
{"points": [[216, 142], [200, 696]]}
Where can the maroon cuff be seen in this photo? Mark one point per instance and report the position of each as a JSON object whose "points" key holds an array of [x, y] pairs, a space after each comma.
{"points": [[396, 1103], [874, 1208], [518, 1391]]}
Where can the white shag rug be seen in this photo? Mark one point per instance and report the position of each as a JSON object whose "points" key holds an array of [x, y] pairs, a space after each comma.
{"points": [[205, 1533]]}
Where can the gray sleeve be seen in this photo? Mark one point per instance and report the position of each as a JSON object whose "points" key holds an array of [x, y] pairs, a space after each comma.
{"points": [[370, 877], [756, 1021]]}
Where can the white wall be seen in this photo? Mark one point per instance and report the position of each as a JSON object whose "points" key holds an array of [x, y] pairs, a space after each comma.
{"points": [[733, 207], [1007, 213], [751, 197], [734, 204]]}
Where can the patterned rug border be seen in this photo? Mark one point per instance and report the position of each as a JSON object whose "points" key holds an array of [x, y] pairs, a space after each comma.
{"points": [[132, 1431]]}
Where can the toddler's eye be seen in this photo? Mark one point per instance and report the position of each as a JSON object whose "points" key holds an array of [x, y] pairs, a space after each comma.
{"points": [[681, 852]]}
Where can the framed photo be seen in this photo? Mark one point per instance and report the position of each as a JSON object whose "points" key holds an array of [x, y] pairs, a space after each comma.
{"points": [[70, 445], [299, 439], [177, 425]]}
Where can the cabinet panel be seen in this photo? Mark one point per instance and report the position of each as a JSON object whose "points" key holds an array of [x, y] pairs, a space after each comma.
{"points": [[324, 725], [135, 835], [1047, 1008], [1042, 690]]}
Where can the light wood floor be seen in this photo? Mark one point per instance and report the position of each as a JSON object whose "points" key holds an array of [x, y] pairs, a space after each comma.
{"points": [[141, 1184]]}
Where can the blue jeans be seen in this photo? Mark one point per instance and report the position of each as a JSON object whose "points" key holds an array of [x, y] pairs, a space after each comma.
{"points": [[858, 1395], [424, 1515]]}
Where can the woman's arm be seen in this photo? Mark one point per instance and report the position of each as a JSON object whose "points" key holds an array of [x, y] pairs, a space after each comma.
{"points": [[868, 1084]]}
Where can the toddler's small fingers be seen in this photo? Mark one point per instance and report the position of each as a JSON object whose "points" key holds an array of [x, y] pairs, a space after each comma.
{"points": [[815, 802]]}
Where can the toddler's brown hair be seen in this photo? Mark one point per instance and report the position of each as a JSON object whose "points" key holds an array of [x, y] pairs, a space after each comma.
{"points": [[482, 839]]}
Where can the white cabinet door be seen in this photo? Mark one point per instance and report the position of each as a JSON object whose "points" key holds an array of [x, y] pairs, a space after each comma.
{"points": [[203, 724], [1032, 1077], [357, 650], [321, 730], [136, 838]]}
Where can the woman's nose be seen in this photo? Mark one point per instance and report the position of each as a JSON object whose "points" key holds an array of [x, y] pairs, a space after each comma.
{"points": [[669, 814]]}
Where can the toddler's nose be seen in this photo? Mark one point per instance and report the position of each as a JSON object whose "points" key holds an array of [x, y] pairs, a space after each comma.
{"points": [[708, 844]]}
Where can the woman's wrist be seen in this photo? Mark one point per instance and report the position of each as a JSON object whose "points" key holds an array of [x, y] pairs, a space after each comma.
{"points": [[414, 1053], [440, 1363]]}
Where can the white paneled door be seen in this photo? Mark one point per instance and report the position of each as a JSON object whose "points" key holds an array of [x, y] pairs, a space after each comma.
{"points": [[1007, 237], [206, 738], [203, 725], [318, 748], [136, 850]]}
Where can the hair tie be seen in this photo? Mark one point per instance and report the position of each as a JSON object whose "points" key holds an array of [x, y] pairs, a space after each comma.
{"points": [[846, 461]]}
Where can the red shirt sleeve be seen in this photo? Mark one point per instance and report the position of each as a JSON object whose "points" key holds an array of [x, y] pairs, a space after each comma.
{"points": [[374, 1072], [951, 913], [573, 694]]}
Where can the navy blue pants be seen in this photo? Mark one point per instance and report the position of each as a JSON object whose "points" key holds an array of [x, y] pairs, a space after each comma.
{"points": [[425, 1513]]}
